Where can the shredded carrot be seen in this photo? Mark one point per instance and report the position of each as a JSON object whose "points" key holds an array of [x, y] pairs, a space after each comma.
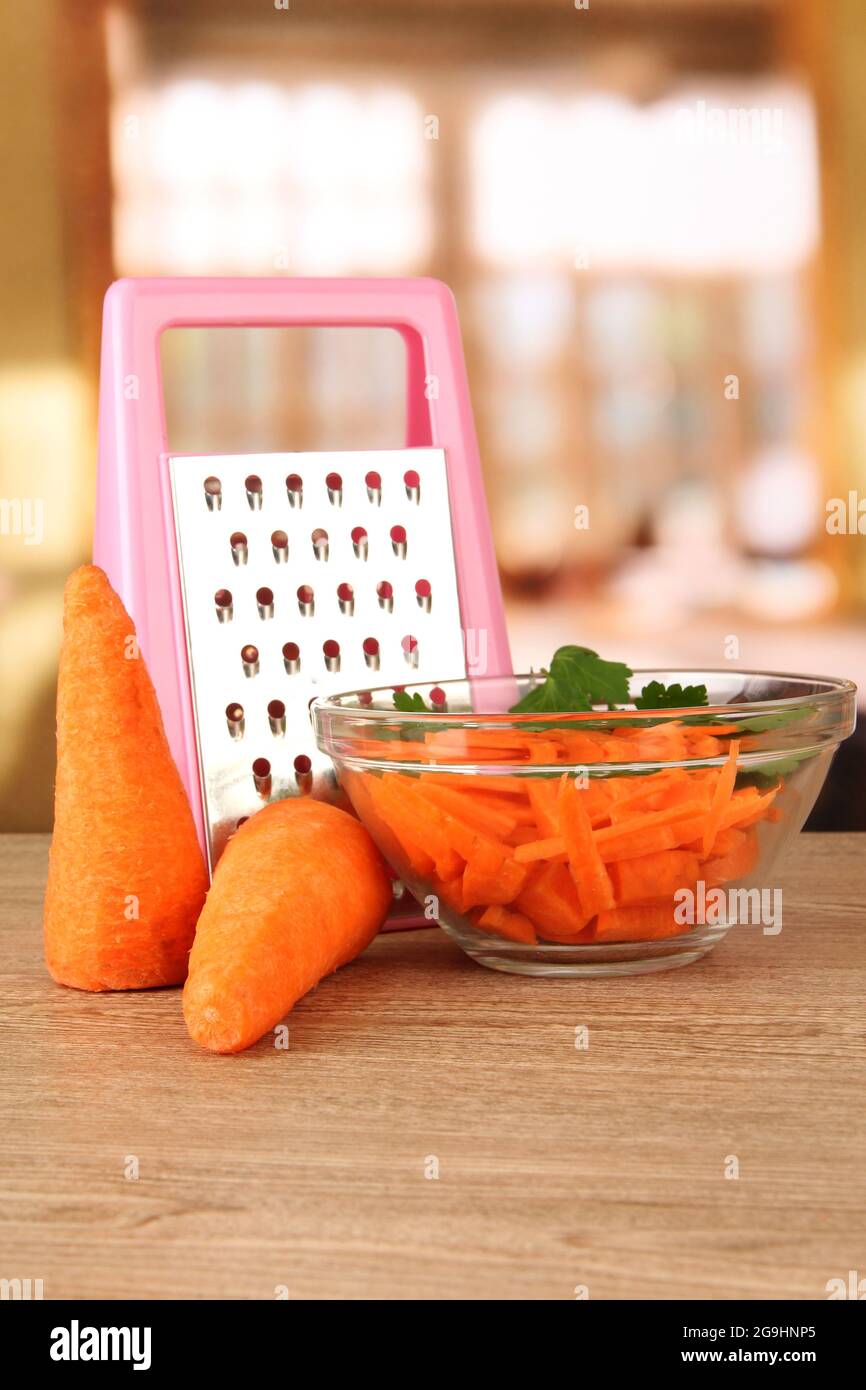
{"points": [[512, 925], [483, 816], [653, 876], [491, 876], [542, 800], [591, 878], [722, 794], [738, 860], [550, 899], [506, 785], [648, 923], [553, 848], [650, 819]]}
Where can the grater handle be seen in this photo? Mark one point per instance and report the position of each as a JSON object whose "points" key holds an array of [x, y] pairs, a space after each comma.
{"points": [[133, 539]]}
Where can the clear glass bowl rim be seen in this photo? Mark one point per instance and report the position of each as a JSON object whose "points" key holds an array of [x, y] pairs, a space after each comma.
{"points": [[837, 691], [832, 705]]}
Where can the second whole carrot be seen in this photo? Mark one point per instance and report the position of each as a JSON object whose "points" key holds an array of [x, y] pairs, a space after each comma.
{"points": [[299, 891]]}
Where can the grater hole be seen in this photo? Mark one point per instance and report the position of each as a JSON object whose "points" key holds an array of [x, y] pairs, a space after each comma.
{"points": [[438, 697], [334, 484], [331, 651], [292, 658], [262, 777], [306, 601], [238, 543], [346, 599], [265, 602], [321, 548], [359, 542], [213, 494], [374, 487], [385, 592], [410, 650], [412, 483], [224, 605], [424, 594], [295, 490], [303, 773], [235, 720], [250, 660], [371, 653], [277, 718], [254, 491], [280, 546], [398, 541]]}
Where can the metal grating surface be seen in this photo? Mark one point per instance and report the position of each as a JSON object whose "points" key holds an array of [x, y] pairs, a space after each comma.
{"points": [[293, 541]]}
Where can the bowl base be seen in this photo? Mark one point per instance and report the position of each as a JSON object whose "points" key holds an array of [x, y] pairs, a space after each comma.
{"points": [[580, 962]]}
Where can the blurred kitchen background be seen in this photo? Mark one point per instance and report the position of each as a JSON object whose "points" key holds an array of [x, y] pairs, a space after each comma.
{"points": [[652, 216]]}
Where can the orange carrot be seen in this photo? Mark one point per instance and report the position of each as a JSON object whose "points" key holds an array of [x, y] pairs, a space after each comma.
{"points": [[648, 923], [721, 796], [738, 861], [451, 892], [654, 876], [590, 877], [126, 877], [554, 848], [725, 843], [523, 835], [653, 793], [413, 855], [542, 799], [550, 899], [512, 925], [489, 819], [424, 825], [649, 819], [491, 876], [747, 806], [357, 784], [300, 890]]}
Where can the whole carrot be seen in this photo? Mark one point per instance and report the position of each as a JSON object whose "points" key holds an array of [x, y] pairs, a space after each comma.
{"points": [[300, 890], [126, 877]]}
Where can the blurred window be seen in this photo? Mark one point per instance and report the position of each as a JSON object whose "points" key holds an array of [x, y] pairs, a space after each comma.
{"points": [[218, 177], [633, 279]]}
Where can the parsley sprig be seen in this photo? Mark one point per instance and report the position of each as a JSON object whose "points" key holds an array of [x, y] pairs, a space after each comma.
{"points": [[577, 681]]}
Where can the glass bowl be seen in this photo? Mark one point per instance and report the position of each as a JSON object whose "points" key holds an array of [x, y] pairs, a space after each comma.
{"points": [[599, 843]]}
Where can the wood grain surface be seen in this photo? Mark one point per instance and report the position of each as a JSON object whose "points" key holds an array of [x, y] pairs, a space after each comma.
{"points": [[558, 1168]]}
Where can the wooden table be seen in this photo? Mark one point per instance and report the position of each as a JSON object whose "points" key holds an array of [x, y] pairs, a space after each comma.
{"points": [[557, 1167]]}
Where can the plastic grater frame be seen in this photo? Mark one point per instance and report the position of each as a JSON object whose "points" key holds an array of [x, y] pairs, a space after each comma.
{"points": [[135, 532]]}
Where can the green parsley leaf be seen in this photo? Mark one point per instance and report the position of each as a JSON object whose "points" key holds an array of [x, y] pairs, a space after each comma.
{"points": [[410, 704], [577, 680], [658, 696]]}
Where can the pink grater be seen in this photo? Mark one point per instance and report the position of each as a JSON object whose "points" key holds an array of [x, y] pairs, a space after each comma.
{"points": [[257, 582]]}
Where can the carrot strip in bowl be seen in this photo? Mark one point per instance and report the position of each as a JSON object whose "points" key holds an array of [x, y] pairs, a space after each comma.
{"points": [[649, 922], [389, 809], [542, 801], [653, 876], [650, 819], [551, 848], [724, 790], [590, 876], [512, 925], [489, 819], [491, 877], [550, 900]]}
